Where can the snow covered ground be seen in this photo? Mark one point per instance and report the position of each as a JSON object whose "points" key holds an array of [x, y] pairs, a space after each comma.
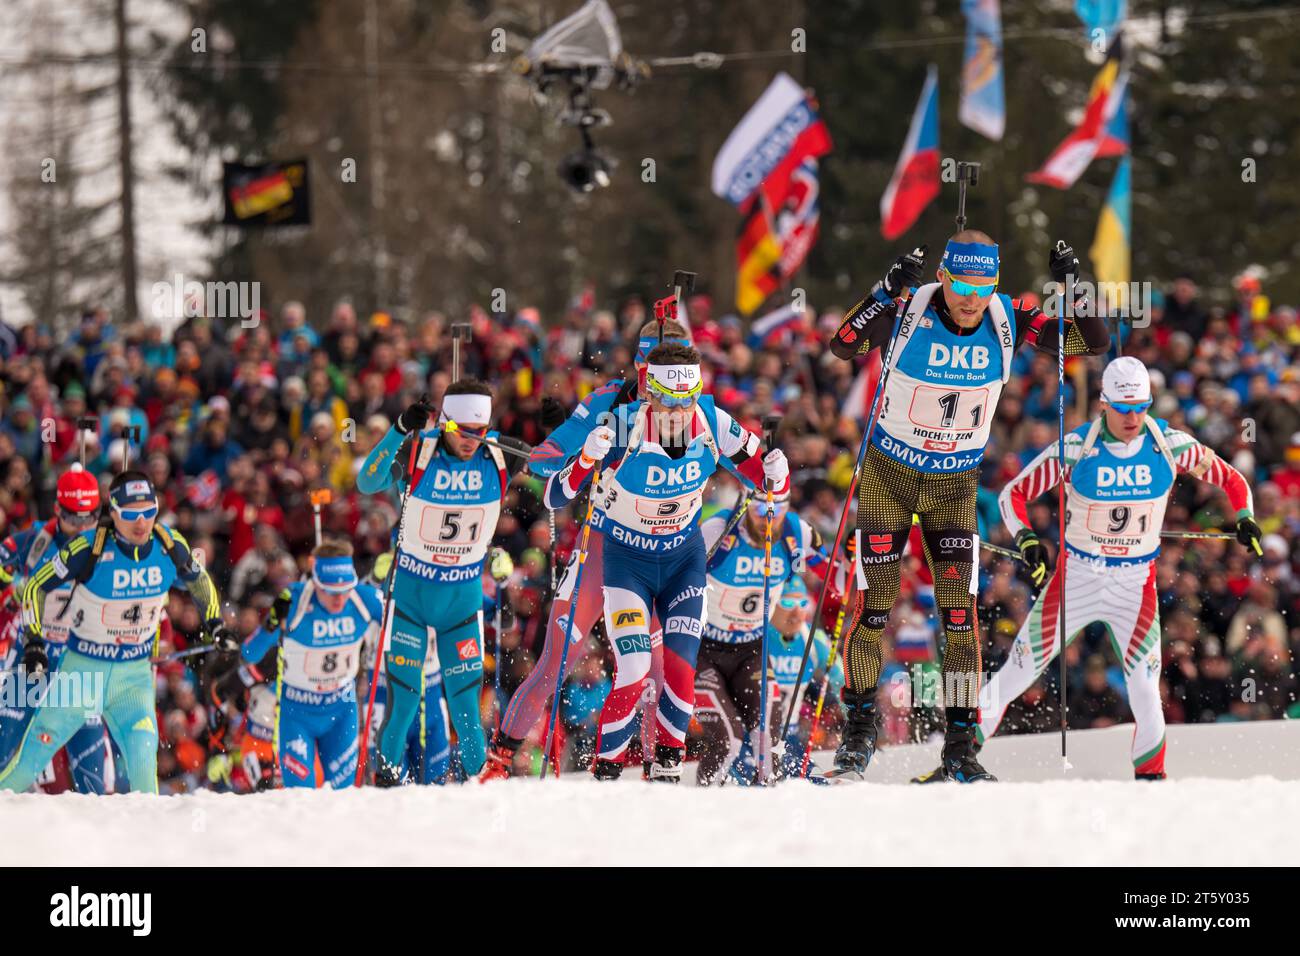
{"points": [[1069, 820]]}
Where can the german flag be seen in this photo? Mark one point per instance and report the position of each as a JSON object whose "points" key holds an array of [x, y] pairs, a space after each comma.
{"points": [[758, 258]]}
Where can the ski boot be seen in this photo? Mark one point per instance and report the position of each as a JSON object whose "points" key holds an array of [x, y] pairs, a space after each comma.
{"points": [[960, 748], [859, 741], [499, 759], [1149, 776], [938, 775], [386, 775], [603, 769], [667, 767]]}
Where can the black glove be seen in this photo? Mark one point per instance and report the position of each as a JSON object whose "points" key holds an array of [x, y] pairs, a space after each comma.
{"points": [[1248, 534], [1062, 262], [223, 637], [35, 660], [1033, 554], [905, 273], [279, 610], [415, 417], [553, 414]]}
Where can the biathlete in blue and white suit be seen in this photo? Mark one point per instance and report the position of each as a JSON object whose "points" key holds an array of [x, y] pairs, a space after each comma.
{"points": [[661, 453], [443, 538], [320, 625], [121, 574], [729, 673]]}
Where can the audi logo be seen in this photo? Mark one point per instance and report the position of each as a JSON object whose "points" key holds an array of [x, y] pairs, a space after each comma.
{"points": [[954, 542]]}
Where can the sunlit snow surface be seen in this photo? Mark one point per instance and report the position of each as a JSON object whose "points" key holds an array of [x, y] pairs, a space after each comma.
{"points": [[1069, 820]]}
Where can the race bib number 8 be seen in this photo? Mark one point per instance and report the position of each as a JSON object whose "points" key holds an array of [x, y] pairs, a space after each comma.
{"points": [[329, 664]]}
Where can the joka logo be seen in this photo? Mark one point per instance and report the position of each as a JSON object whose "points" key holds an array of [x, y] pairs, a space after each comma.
{"points": [[74, 909], [1124, 475], [629, 618], [959, 356], [880, 543], [467, 649]]}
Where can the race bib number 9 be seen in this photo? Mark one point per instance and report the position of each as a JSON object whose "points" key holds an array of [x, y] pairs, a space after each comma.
{"points": [[1115, 521]]}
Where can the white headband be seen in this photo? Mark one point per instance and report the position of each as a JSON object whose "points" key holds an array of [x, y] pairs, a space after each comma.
{"points": [[467, 409], [679, 378]]}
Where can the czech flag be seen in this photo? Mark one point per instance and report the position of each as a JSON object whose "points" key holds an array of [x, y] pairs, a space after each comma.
{"points": [[915, 182], [1103, 132], [1111, 260]]}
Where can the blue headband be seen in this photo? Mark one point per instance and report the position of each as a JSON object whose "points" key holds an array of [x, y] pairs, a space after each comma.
{"points": [[970, 259], [335, 574], [647, 342], [134, 492]]}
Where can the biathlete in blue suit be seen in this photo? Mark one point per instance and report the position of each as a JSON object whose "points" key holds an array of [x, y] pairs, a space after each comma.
{"points": [[320, 625], [728, 680], [451, 515], [120, 575]]}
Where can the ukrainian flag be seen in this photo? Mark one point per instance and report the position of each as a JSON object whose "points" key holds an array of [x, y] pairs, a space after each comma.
{"points": [[1110, 252]]}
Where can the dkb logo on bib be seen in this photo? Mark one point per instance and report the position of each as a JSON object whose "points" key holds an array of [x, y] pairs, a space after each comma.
{"points": [[959, 356], [1123, 476]]}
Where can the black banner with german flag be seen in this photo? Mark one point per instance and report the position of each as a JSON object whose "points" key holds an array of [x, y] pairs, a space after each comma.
{"points": [[272, 194]]}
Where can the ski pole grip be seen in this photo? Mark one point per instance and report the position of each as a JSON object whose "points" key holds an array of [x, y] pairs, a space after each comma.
{"points": [[770, 425]]}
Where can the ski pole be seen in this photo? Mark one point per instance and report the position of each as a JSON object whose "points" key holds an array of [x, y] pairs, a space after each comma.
{"points": [[1197, 535], [388, 610], [826, 677], [177, 655], [763, 748], [848, 498], [741, 507], [500, 567], [568, 624], [1060, 413], [1004, 552]]}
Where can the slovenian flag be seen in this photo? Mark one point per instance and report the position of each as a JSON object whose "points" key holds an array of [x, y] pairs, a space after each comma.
{"points": [[915, 182], [1111, 261], [767, 329], [1103, 132], [772, 140]]}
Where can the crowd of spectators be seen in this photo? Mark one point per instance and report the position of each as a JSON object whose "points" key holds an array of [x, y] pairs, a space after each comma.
{"points": [[238, 425]]}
